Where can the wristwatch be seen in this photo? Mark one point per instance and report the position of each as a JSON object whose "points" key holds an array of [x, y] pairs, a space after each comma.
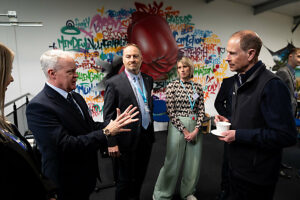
{"points": [[106, 131]]}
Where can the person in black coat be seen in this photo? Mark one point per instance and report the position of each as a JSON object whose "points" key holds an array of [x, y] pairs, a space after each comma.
{"points": [[132, 149], [262, 123], [20, 176]]}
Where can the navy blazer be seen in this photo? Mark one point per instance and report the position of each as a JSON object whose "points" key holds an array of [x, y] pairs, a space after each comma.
{"points": [[119, 94], [68, 142]]}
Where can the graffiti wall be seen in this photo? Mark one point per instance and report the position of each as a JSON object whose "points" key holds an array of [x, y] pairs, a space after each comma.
{"points": [[162, 31]]}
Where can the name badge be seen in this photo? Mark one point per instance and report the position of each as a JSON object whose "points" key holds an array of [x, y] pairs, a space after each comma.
{"points": [[195, 96]]}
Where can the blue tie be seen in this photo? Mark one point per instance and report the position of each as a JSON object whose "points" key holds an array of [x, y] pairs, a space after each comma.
{"points": [[145, 114]]}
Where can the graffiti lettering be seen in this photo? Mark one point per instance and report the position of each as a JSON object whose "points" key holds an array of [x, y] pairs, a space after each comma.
{"points": [[171, 19], [90, 76], [188, 40], [87, 55], [202, 33], [121, 14], [82, 24]]}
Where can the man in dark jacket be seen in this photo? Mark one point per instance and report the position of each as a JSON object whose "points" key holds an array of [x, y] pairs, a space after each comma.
{"points": [[132, 149], [262, 122], [67, 136]]}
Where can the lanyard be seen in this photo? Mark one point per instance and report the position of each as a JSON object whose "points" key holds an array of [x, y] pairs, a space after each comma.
{"points": [[192, 104], [137, 87], [15, 138]]}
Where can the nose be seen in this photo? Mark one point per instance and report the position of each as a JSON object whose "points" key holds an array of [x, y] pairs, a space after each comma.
{"points": [[131, 59], [227, 57], [12, 79]]}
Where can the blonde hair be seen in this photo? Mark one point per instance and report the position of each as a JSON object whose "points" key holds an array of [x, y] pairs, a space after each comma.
{"points": [[187, 62], [6, 60]]}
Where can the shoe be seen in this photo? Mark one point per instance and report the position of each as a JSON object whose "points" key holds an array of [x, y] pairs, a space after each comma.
{"points": [[191, 197], [285, 166], [283, 174]]}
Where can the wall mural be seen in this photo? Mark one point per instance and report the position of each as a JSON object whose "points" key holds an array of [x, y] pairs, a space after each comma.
{"points": [[280, 57], [163, 35]]}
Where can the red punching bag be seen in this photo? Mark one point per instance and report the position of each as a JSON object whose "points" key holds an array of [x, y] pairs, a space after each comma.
{"points": [[154, 37]]}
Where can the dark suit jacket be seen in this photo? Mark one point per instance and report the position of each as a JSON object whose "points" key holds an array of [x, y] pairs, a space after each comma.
{"points": [[68, 143], [287, 76], [224, 98], [119, 94], [20, 176]]}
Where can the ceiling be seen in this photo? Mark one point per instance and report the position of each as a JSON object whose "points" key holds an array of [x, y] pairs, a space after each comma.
{"points": [[286, 7]]}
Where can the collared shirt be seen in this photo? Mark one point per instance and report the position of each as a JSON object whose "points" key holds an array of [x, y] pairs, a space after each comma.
{"points": [[60, 91], [139, 77], [63, 94], [243, 77]]}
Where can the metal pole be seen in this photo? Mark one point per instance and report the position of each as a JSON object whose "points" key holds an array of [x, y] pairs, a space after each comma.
{"points": [[15, 115]]}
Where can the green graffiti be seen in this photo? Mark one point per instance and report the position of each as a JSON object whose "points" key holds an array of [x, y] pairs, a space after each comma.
{"points": [[90, 76], [70, 30], [73, 44], [172, 19], [204, 70], [96, 108]]}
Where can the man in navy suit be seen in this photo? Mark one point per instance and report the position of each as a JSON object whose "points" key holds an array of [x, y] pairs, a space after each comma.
{"points": [[66, 134], [131, 150]]}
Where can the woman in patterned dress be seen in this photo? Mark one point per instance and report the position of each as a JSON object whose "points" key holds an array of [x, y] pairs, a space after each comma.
{"points": [[185, 107]]}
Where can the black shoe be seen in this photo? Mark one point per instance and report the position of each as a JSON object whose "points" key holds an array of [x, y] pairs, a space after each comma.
{"points": [[283, 174], [285, 166]]}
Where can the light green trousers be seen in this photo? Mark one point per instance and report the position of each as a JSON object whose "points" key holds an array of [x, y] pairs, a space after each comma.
{"points": [[179, 153]]}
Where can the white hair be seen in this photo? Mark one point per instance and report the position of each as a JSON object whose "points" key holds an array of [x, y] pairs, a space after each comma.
{"points": [[49, 59]]}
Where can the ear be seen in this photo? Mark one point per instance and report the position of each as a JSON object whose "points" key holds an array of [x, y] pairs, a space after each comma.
{"points": [[251, 54], [51, 73]]}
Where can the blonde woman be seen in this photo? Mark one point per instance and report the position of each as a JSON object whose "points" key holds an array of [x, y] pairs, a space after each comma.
{"points": [[185, 107], [20, 177]]}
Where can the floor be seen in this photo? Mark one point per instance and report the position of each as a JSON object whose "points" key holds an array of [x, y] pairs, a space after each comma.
{"points": [[209, 182]]}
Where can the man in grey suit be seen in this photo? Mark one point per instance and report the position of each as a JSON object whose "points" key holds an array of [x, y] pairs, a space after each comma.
{"points": [[287, 74]]}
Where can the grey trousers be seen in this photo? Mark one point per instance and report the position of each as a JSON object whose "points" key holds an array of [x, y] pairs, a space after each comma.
{"points": [[179, 153]]}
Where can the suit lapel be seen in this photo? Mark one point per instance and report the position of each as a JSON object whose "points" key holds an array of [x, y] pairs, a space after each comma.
{"points": [[82, 106], [130, 89], [62, 103], [291, 77]]}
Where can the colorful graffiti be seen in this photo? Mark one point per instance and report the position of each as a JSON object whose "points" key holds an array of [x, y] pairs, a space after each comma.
{"points": [[103, 35]]}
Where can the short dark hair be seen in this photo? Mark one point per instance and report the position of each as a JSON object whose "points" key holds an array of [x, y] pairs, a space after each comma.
{"points": [[294, 50], [134, 45], [249, 40]]}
